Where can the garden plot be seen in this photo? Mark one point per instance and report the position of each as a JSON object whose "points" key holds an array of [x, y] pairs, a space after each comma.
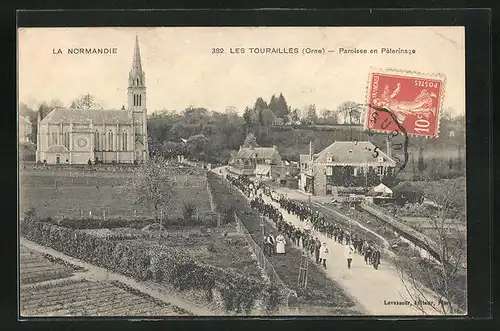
{"points": [[223, 248], [90, 298], [36, 268]]}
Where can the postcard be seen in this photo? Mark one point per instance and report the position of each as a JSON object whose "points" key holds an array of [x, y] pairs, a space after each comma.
{"points": [[242, 171]]}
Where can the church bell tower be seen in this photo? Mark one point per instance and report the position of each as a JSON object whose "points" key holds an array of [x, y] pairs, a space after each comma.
{"points": [[136, 82], [136, 92]]}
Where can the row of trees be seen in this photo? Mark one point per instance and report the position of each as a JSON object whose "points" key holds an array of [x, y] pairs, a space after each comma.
{"points": [[212, 136], [277, 111]]}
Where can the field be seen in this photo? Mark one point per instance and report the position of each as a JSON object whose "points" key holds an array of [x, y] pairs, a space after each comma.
{"points": [[91, 298], [64, 194], [321, 291], [37, 268]]}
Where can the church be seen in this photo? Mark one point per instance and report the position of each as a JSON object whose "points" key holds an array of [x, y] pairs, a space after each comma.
{"points": [[75, 136]]}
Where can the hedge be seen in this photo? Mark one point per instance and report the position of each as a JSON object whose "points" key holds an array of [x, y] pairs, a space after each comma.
{"points": [[160, 264]]}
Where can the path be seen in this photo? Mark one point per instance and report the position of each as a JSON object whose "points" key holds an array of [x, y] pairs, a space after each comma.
{"points": [[101, 274], [297, 195], [380, 292]]}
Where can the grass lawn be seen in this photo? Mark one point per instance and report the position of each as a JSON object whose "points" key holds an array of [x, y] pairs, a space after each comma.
{"points": [[321, 290], [58, 194]]}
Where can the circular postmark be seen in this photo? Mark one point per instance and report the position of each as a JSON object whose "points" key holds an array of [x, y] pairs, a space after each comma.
{"points": [[398, 144]]}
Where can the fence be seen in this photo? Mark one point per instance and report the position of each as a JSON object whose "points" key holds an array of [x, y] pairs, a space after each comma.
{"points": [[264, 263], [414, 236]]}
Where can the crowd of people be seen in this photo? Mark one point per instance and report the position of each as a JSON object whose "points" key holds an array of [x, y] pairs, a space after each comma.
{"points": [[304, 237]]}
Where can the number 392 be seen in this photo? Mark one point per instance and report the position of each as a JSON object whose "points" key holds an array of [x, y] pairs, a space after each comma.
{"points": [[217, 50]]}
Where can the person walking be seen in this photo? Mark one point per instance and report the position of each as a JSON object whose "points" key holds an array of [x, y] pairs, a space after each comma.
{"points": [[349, 252], [323, 254], [317, 247], [280, 244], [376, 258]]}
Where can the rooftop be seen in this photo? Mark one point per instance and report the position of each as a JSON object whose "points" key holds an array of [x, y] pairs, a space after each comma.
{"points": [[65, 115]]}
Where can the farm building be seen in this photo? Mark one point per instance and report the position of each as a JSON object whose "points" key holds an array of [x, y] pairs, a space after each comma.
{"points": [[257, 162], [344, 164], [74, 136]]}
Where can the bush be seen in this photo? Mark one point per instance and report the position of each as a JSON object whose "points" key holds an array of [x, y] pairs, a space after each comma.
{"points": [[188, 212], [209, 219]]}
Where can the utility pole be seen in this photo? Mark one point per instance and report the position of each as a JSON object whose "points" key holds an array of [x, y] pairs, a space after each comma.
{"points": [[303, 268], [159, 227]]}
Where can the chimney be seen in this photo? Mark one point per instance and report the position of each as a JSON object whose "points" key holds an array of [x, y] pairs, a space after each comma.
{"points": [[310, 150], [388, 147]]}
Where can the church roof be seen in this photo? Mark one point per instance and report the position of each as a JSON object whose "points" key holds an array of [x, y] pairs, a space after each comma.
{"points": [[22, 118], [98, 117]]}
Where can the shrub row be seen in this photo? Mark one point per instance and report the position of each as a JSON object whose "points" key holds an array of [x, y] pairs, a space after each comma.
{"points": [[159, 264], [208, 219]]}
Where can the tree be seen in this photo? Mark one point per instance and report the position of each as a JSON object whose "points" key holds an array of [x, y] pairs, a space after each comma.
{"points": [[196, 145], [44, 109], [56, 103], [312, 116], [421, 164], [350, 112], [441, 279], [450, 163], [260, 104], [154, 185], [295, 115], [85, 102], [279, 106], [250, 141], [459, 159]]}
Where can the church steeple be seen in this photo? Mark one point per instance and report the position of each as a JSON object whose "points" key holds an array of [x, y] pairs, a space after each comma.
{"points": [[136, 62], [136, 82]]}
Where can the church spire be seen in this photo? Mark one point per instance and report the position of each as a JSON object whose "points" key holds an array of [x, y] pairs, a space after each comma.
{"points": [[136, 62], [136, 82]]}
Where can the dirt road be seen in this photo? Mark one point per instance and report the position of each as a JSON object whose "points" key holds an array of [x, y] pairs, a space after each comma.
{"points": [[380, 292]]}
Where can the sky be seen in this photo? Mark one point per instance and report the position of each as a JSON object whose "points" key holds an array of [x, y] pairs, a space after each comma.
{"points": [[182, 70]]}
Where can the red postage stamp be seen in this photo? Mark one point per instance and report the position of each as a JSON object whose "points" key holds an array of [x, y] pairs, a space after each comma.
{"points": [[414, 101]]}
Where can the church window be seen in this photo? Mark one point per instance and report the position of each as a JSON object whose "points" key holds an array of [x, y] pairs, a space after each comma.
{"points": [[96, 142], [140, 100], [380, 170], [66, 140], [137, 82], [110, 141], [124, 144]]}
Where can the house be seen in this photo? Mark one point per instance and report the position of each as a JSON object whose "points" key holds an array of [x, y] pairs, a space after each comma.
{"points": [[344, 164], [75, 136], [25, 130], [257, 162]]}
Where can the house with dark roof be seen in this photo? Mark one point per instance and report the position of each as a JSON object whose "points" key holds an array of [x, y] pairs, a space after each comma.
{"points": [[77, 136], [257, 162], [343, 164]]}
